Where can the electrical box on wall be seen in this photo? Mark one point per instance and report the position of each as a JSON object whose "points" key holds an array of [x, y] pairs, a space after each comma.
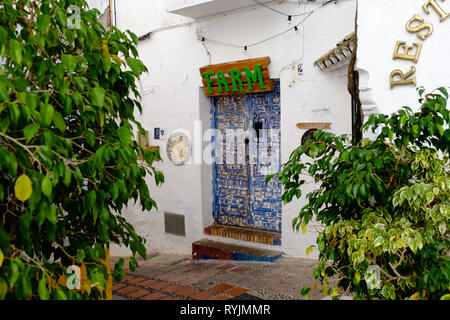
{"points": [[159, 134]]}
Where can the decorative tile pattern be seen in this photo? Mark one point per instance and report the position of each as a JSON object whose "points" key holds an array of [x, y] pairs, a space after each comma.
{"points": [[241, 196]]}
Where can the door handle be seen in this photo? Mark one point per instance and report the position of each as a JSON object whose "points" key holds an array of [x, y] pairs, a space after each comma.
{"points": [[257, 126]]}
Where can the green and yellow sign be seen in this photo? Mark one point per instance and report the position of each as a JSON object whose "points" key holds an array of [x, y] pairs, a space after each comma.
{"points": [[237, 77]]}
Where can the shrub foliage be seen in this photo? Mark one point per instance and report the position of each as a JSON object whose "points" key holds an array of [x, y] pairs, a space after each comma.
{"points": [[383, 204], [68, 159]]}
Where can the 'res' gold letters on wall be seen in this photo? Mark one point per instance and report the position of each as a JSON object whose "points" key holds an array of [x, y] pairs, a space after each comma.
{"points": [[403, 77], [401, 45], [408, 52], [417, 29]]}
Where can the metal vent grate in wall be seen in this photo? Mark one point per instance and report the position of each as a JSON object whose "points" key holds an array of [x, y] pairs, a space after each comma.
{"points": [[174, 224]]}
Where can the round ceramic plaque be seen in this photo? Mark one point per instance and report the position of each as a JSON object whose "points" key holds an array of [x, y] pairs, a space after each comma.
{"points": [[179, 148]]}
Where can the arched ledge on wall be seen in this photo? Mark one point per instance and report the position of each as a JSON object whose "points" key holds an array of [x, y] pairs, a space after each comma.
{"points": [[368, 104]]}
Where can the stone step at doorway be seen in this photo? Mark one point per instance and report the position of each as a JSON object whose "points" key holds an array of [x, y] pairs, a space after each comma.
{"points": [[245, 234], [206, 249]]}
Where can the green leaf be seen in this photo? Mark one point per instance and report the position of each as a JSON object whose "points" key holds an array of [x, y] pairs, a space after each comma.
{"points": [[304, 227], [320, 244], [69, 62], [43, 291], [357, 257], [444, 92], [13, 273], [43, 23], [133, 37], [92, 197], [309, 250], [80, 82], [442, 227], [26, 287], [114, 190], [357, 278], [59, 122], [46, 113], [23, 188], [67, 176], [4, 95], [3, 288], [98, 96], [90, 138], [15, 51], [46, 186], [61, 17], [3, 36], [159, 177], [124, 135], [378, 241], [403, 120], [52, 214], [59, 294], [42, 214], [24, 224], [268, 178], [135, 65], [104, 215], [81, 254], [14, 112], [30, 130], [1, 257], [305, 290], [429, 197], [440, 129]]}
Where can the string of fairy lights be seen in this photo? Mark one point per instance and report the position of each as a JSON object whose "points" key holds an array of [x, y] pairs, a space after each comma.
{"points": [[245, 47], [289, 18]]}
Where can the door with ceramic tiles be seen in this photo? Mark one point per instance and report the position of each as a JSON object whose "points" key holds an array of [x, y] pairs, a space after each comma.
{"points": [[246, 147]]}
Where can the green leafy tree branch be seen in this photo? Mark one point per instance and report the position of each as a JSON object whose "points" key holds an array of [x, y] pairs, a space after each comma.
{"points": [[68, 158]]}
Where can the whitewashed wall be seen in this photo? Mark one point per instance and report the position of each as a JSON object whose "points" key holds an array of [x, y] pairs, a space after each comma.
{"points": [[381, 24], [172, 97], [101, 5]]}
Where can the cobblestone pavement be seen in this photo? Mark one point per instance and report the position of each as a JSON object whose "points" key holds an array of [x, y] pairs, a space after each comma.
{"points": [[178, 277]]}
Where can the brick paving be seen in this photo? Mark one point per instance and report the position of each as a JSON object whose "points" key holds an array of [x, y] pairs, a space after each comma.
{"points": [[172, 277], [135, 280], [236, 292], [221, 287], [204, 295], [153, 296], [172, 289], [139, 293], [187, 292]]}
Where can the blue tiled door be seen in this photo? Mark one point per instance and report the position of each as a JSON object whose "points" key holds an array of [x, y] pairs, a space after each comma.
{"points": [[246, 149]]}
